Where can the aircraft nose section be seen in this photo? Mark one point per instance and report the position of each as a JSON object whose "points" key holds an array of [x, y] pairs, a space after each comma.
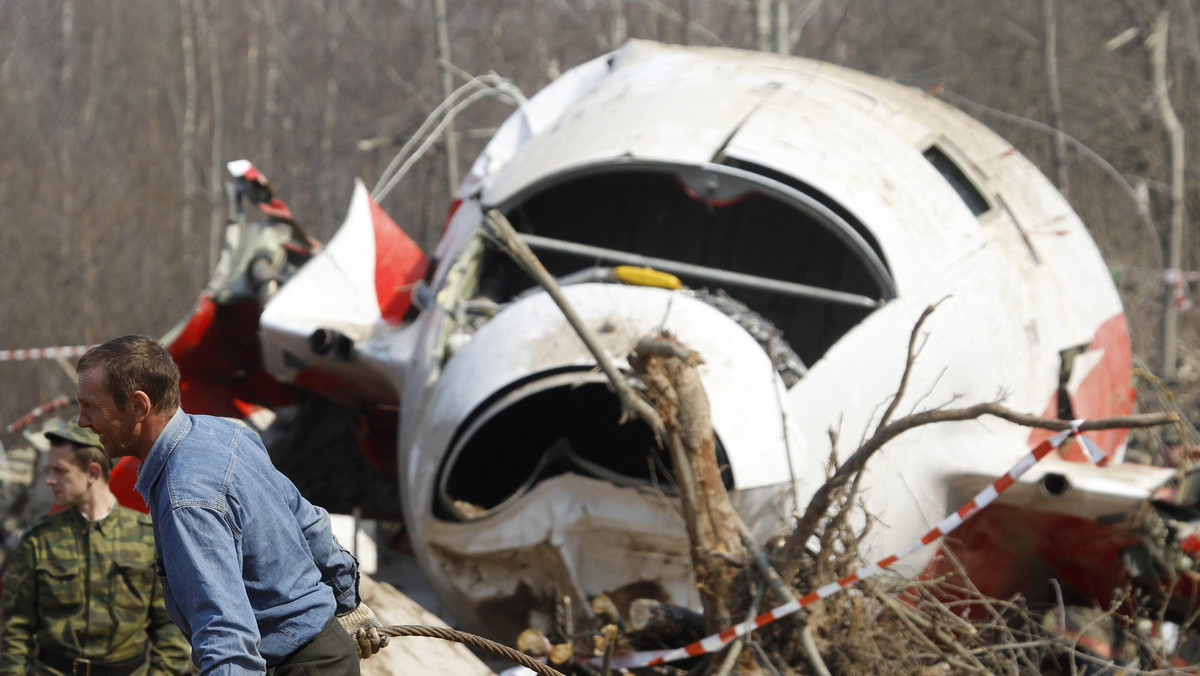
{"points": [[521, 462]]}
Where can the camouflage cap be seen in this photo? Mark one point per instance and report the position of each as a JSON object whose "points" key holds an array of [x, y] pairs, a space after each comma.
{"points": [[72, 432]]}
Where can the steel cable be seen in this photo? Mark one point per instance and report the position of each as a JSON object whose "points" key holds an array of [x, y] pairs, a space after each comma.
{"points": [[472, 640]]}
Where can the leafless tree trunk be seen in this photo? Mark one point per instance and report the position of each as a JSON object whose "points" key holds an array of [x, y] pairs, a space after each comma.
{"points": [[547, 66], [216, 171], [780, 29], [1157, 44], [617, 31], [81, 123], [796, 30], [325, 179], [251, 69], [187, 147], [762, 25], [673, 386], [288, 125], [1191, 32], [270, 97], [1050, 20], [66, 127], [450, 141], [86, 110], [686, 12]]}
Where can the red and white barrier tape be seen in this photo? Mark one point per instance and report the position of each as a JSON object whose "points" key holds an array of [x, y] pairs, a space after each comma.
{"points": [[38, 412], [984, 498], [44, 352]]}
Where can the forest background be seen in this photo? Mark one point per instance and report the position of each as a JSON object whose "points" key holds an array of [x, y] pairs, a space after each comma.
{"points": [[118, 119]]}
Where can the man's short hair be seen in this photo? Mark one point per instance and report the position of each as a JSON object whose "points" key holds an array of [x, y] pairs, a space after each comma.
{"points": [[132, 363], [81, 456]]}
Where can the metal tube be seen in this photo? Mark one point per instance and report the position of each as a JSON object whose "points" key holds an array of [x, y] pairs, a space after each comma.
{"points": [[702, 272]]}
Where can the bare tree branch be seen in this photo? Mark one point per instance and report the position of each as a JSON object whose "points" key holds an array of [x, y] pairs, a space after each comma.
{"points": [[631, 403], [806, 525], [908, 365]]}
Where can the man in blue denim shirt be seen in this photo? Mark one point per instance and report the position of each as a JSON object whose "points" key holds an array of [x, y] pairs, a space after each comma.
{"points": [[251, 571]]}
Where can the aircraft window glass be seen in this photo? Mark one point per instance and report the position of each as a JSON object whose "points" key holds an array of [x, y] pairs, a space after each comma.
{"points": [[958, 180]]}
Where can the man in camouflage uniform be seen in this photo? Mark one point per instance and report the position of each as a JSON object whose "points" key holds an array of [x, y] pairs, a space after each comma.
{"points": [[81, 595]]}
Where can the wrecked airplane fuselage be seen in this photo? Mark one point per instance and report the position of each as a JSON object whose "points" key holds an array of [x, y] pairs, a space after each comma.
{"points": [[810, 214], [836, 207]]}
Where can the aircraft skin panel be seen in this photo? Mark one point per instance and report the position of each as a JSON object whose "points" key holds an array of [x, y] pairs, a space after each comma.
{"points": [[399, 263], [340, 289], [1091, 491], [337, 287], [690, 126], [562, 535], [534, 338], [791, 119], [1069, 517], [915, 216], [1100, 385], [833, 208], [533, 117]]}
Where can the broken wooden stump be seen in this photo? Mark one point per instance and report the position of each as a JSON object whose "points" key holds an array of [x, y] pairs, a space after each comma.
{"points": [[606, 611], [720, 561], [668, 623]]}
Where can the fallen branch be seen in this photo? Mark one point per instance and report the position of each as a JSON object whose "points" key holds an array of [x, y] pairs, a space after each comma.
{"points": [[811, 653], [720, 560], [735, 649], [806, 525], [515, 247], [908, 365]]}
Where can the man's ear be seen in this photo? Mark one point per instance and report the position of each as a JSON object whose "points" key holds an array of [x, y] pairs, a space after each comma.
{"points": [[94, 471], [141, 404]]}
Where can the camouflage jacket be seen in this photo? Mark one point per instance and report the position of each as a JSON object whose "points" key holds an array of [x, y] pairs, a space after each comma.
{"points": [[88, 589]]}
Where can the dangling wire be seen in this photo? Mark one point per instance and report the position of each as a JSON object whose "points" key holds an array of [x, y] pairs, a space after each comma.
{"points": [[489, 85]]}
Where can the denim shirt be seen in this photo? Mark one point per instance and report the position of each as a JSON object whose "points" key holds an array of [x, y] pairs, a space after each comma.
{"points": [[250, 569]]}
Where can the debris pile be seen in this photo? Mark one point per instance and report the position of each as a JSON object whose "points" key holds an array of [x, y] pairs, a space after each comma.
{"points": [[935, 625], [887, 624]]}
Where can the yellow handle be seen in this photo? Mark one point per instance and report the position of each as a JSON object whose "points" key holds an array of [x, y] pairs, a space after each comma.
{"points": [[646, 277]]}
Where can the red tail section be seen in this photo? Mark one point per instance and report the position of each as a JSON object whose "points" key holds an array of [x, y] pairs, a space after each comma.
{"points": [[399, 264]]}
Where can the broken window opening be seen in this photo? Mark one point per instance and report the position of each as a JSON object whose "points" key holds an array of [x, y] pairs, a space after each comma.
{"points": [[544, 428], [801, 267], [823, 199], [954, 175]]}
